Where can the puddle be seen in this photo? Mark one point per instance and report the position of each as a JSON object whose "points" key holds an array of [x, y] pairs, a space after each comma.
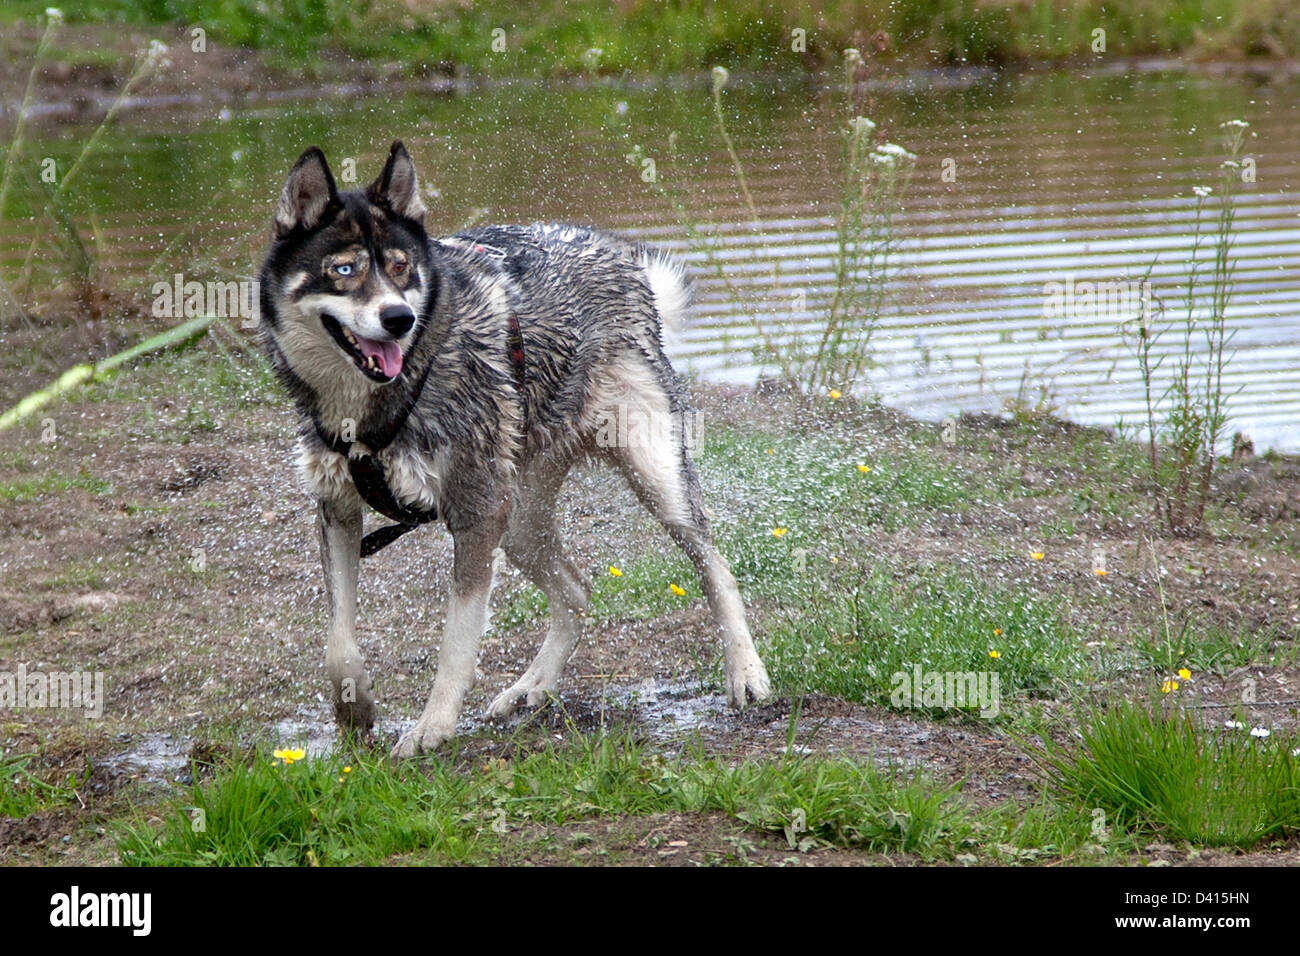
{"points": [[664, 710]]}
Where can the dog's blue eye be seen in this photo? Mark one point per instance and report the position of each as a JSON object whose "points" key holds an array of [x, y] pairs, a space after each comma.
{"points": [[343, 270]]}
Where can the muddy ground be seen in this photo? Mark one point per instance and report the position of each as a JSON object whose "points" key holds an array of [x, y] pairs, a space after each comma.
{"points": [[177, 554], [88, 65]]}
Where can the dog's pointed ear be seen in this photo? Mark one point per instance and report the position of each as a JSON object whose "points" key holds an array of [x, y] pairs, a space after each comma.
{"points": [[397, 186], [307, 193]]}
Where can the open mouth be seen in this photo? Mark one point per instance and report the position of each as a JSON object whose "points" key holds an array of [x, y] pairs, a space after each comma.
{"points": [[378, 361]]}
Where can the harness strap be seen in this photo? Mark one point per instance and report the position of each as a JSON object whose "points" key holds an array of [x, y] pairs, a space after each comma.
{"points": [[367, 470]]}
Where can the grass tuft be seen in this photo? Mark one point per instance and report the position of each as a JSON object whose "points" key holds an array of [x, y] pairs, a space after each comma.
{"points": [[1161, 771]]}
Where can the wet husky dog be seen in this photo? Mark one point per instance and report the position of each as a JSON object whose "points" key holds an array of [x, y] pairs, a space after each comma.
{"points": [[459, 379]]}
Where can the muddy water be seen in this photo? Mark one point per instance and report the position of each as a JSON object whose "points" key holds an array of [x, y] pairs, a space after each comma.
{"points": [[668, 712], [1056, 180]]}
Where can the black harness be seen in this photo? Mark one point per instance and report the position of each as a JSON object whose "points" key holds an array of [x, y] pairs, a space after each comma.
{"points": [[368, 471]]}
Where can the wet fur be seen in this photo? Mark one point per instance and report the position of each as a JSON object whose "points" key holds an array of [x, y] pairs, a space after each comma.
{"points": [[490, 459]]}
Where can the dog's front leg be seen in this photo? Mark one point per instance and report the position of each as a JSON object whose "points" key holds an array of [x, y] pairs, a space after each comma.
{"points": [[467, 615], [340, 548]]}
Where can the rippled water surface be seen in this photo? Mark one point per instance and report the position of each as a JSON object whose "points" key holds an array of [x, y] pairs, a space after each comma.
{"points": [[1065, 178]]}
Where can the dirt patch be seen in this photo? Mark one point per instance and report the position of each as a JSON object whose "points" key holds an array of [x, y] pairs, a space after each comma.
{"points": [[23, 612], [188, 574], [90, 64]]}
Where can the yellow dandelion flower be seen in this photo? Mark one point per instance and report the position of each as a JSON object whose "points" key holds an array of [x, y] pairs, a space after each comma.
{"points": [[1100, 572], [834, 393], [997, 632], [779, 532], [1036, 555], [1169, 686], [615, 572], [864, 468], [1184, 673], [288, 755], [995, 654], [347, 769], [680, 592]]}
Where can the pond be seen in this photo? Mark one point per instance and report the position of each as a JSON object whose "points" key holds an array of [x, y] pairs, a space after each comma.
{"points": [[1054, 180]]}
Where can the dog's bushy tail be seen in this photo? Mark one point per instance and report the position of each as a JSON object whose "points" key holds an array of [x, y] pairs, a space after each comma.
{"points": [[670, 284]]}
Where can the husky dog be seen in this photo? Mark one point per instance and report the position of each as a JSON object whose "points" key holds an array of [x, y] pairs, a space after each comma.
{"points": [[459, 379]]}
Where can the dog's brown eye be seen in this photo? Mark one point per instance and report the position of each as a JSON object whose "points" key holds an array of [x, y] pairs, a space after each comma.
{"points": [[396, 263]]}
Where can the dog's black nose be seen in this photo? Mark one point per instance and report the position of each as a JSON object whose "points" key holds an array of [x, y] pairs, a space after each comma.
{"points": [[397, 319]]}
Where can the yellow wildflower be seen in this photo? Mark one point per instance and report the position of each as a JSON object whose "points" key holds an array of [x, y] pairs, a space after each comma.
{"points": [[1036, 555], [680, 592], [615, 572], [1184, 673], [834, 393], [864, 468], [288, 755], [995, 654], [1169, 686], [779, 532]]}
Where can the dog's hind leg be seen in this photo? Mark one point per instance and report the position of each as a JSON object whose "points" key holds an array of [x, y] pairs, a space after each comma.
{"points": [[652, 455], [533, 545], [339, 522], [467, 615]]}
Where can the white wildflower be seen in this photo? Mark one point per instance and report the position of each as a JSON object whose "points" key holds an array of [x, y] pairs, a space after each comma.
{"points": [[861, 126], [893, 149]]}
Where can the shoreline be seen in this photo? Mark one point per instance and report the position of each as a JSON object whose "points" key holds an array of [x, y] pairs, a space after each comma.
{"points": [[90, 63]]}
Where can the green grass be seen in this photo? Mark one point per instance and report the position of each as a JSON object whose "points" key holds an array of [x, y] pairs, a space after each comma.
{"points": [[28, 489], [805, 482], [821, 492], [1158, 771], [23, 792], [646, 36], [258, 812], [1214, 649], [644, 589], [855, 633], [77, 576], [212, 379]]}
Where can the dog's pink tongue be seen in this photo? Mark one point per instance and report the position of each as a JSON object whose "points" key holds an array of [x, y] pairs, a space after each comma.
{"points": [[387, 354]]}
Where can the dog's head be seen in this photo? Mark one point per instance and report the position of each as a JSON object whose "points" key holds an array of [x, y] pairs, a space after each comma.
{"points": [[348, 278]]}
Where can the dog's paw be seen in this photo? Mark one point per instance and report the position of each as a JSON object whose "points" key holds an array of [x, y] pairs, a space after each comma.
{"points": [[419, 740], [531, 691], [747, 682], [354, 704]]}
